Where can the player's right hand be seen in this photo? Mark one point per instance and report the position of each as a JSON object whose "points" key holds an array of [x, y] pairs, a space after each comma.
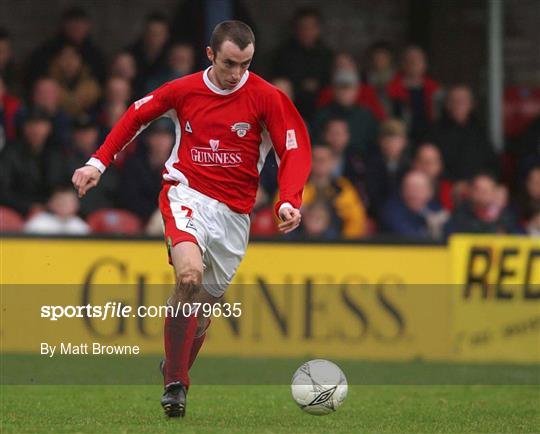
{"points": [[85, 178]]}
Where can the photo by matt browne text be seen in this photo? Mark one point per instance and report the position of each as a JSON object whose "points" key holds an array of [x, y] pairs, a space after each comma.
{"points": [[85, 348]]}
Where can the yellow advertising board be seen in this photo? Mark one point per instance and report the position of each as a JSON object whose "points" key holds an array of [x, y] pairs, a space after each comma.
{"points": [[477, 299], [342, 301], [496, 302]]}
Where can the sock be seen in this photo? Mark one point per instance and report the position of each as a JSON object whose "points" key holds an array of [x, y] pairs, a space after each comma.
{"points": [[179, 333], [197, 344]]}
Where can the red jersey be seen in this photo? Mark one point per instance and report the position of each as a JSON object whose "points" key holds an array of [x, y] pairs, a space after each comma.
{"points": [[222, 138]]}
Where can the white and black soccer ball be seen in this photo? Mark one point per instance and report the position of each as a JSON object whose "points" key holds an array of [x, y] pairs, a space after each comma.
{"points": [[319, 387]]}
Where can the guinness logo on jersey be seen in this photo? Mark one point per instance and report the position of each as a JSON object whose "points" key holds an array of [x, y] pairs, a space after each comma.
{"points": [[214, 156], [241, 128]]}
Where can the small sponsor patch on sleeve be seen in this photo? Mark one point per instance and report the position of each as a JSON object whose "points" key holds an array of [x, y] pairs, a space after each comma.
{"points": [[142, 101], [291, 143]]}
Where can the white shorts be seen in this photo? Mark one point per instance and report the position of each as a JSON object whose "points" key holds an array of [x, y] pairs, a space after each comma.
{"points": [[221, 233]]}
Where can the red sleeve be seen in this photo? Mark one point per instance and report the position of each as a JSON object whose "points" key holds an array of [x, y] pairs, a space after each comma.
{"points": [[293, 148], [136, 118]]}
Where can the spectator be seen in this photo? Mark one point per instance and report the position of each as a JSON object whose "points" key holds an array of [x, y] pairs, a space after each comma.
{"points": [[428, 160], [85, 141], [305, 60], [154, 227], [348, 163], [529, 154], [116, 100], [338, 192], [530, 196], [415, 96], [60, 217], [80, 91], [75, 31], [263, 222], [484, 211], [317, 223], [10, 108], [532, 225], [47, 96], [141, 175], [123, 65], [362, 124], [7, 64], [180, 62], [385, 169], [366, 95], [380, 72], [412, 213], [463, 142], [285, 85], [194, 21], [150, 51], [25, 178]]}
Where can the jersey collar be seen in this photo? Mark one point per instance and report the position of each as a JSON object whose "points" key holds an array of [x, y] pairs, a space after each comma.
{"points": [[219, 91]]}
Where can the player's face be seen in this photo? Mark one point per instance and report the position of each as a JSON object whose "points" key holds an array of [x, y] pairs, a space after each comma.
{"points": [[229, 63]]}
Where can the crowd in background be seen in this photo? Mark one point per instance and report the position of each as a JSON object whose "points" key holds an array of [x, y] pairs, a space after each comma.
{"points": [[394, 150]]}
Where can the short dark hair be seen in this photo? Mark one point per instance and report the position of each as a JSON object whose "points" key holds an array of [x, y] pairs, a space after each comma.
{"points": [[235, 31], [306, 12], [157, 17], [74, 13]]}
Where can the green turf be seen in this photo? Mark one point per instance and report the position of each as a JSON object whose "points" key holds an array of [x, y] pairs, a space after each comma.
{"points": [[36, 369], [269, 409], [383, 397]]}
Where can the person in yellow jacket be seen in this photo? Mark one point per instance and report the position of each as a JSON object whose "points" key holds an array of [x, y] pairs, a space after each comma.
{"points": [[338, 192]]}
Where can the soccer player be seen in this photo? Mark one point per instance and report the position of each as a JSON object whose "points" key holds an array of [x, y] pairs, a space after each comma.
{"points": [[227, 119]]}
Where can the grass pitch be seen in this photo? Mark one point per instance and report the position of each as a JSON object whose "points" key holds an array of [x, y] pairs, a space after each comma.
{"points": [[212, 408]]}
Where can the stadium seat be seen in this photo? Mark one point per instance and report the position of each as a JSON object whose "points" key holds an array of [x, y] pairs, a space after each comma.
{"points": [[10, 220], [114, 221]]}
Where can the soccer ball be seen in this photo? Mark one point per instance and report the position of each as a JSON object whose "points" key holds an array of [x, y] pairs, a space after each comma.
{"points": [[319, 387]]}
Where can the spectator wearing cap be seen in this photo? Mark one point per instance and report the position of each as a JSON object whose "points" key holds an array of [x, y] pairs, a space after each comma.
{"points": [[463, 141], [85, 141], [412, 213], [337, 192], [415, 95], [366, 96], [362, 124], [60, 216], [484, 211], [380, 71], [150, 50], [80, 90], [385, 168], [305, 60], [75, 31], [26, 175], [141, 176]]}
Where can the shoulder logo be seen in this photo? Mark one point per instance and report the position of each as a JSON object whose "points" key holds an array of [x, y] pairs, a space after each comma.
{"points": [[188, 127], [240, 128], [290, 142], [214, 144], [142, 101]]}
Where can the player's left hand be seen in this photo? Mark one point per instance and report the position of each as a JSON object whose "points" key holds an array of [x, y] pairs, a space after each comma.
{"points": [[291, 218]]}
